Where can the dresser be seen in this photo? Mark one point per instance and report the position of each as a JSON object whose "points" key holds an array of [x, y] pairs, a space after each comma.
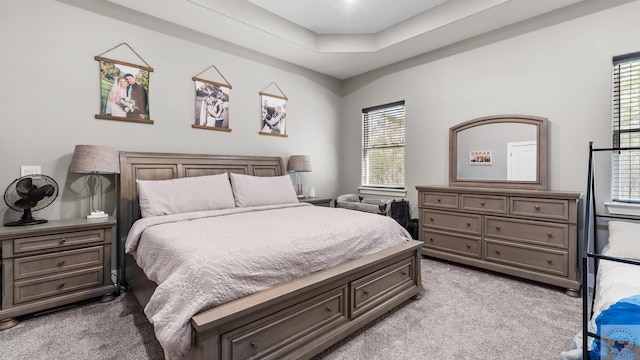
{"points": [[524, 233], [318, 201], [53, 264]]}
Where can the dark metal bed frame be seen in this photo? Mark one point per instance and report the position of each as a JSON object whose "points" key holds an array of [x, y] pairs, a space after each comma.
{"points": [[323, 307], [591, 252]]}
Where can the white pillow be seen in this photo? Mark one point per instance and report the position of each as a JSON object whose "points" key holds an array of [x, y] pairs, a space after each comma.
{"points": [[624, 239], [262, 190], [175, 196]]}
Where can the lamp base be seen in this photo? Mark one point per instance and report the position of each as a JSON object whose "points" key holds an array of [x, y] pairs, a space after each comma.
{"points": [[97, 215]]}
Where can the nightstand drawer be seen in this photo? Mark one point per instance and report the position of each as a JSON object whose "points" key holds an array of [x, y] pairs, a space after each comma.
{"points": [[465, 223], [439, 200], [28, 290], [535, 258], [57, 241], [40, 265]]}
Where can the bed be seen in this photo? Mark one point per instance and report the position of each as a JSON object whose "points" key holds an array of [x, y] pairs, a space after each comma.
{"points": [[611, 322], [293, 314]]}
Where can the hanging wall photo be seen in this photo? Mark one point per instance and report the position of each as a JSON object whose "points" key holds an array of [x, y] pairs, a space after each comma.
{"points": [[124, 89], [274, 114], [212, 102]]}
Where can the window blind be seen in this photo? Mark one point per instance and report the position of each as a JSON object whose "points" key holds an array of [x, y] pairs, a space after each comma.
{"points": [[383, 143], [625, 180]]}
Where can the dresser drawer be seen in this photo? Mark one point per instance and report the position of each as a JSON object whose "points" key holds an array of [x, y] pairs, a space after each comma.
{"points": [[277, 335], [40, 265], [373, 289], [540, 208], [457, 244], [57, 241], [465, 223], [484, 203], [32, 289], [439, 200], [531, 257], [535, 232]]}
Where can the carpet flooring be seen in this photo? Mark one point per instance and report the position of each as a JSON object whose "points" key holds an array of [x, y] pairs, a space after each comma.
{"points": [[463, 314]]}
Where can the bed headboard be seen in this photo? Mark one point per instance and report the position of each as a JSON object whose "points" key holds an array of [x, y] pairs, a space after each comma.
{"points": [[163, 166]]}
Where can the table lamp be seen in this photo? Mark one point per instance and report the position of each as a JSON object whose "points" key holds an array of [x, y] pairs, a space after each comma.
{"points": [[297, 165], [95, 160]]}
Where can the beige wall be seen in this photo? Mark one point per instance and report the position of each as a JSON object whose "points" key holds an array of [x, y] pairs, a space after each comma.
{"points": [[50, 94], [561, 71]]}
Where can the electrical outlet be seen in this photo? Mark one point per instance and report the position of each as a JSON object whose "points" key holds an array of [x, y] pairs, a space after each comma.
{"points": [[30, 170]]}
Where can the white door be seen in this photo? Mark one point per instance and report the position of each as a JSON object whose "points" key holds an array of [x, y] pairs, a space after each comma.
{"points": [[521, 161]]}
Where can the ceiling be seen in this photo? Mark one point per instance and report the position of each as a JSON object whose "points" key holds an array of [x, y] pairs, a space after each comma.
{"points": [[339, 38]]}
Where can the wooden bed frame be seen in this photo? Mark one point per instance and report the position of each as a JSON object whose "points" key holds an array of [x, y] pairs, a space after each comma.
{"points": [[294, 320]]}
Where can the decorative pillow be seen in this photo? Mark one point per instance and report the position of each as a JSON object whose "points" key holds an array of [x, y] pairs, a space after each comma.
{"points": [[175, 196], [257, 190], [624, 239]]}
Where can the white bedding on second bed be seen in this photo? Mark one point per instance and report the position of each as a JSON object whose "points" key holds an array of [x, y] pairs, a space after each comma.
{"points": [[203, 259]]}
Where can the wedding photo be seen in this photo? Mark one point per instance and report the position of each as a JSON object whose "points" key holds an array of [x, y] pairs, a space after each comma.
{"points": [[212, 105], [124, 91], [274, 113]]}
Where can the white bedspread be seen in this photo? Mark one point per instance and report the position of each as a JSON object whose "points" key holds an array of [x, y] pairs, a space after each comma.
{"points": [[200, 260]]}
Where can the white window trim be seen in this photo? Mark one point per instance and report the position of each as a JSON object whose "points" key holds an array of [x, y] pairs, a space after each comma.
{"points": [[622, 208], [382, 191]]}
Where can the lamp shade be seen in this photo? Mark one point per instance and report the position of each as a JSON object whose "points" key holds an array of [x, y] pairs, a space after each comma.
{"points": [[300, 163], [94, 159]]}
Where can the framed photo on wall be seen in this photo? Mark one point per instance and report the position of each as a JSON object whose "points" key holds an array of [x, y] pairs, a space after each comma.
{"points": [[212, 105], [124, 91], [274, 115]]}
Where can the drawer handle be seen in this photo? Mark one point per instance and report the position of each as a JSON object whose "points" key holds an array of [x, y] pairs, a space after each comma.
{"points": [[254, 345], [468, 223], [498, 228], [430, 219], [61, 262], [404, 273], [549, 235], [329, 308], [62, 241], [497, 252], [60, 286], [537, 207], [468, 247], [481, 203], [366, 292], [438, 200], [430, 239], [549, 261]]}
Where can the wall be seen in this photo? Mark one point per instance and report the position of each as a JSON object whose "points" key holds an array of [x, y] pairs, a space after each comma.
{"points": [[561, 71], [50, 94]]}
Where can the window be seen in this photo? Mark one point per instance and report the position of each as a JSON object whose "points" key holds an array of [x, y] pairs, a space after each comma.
{"points": [[383, 146], [625, 180]]}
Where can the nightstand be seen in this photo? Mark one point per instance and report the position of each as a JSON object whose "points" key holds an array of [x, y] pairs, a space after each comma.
{"points": [[52, 264], [318, 201]]}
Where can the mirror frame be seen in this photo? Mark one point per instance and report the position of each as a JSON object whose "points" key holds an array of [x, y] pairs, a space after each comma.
{"points": [[542, 157]]}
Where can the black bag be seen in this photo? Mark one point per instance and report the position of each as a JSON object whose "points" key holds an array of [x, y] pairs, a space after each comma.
{"points": [[413, 228], [400, 212]]}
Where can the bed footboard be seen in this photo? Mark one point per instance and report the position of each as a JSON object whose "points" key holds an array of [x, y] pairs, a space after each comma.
{"points": [[300, 318]]}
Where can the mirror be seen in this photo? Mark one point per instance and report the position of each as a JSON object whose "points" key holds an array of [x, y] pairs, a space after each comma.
{"points": [[502, 151]]}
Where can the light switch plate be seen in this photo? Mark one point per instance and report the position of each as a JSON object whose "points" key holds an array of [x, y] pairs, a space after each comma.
{"points": [[30, 170]]}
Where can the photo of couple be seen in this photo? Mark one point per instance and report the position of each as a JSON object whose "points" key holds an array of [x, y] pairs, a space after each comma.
{"points": [[124, 91], [212, 105], [274, 114]]}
